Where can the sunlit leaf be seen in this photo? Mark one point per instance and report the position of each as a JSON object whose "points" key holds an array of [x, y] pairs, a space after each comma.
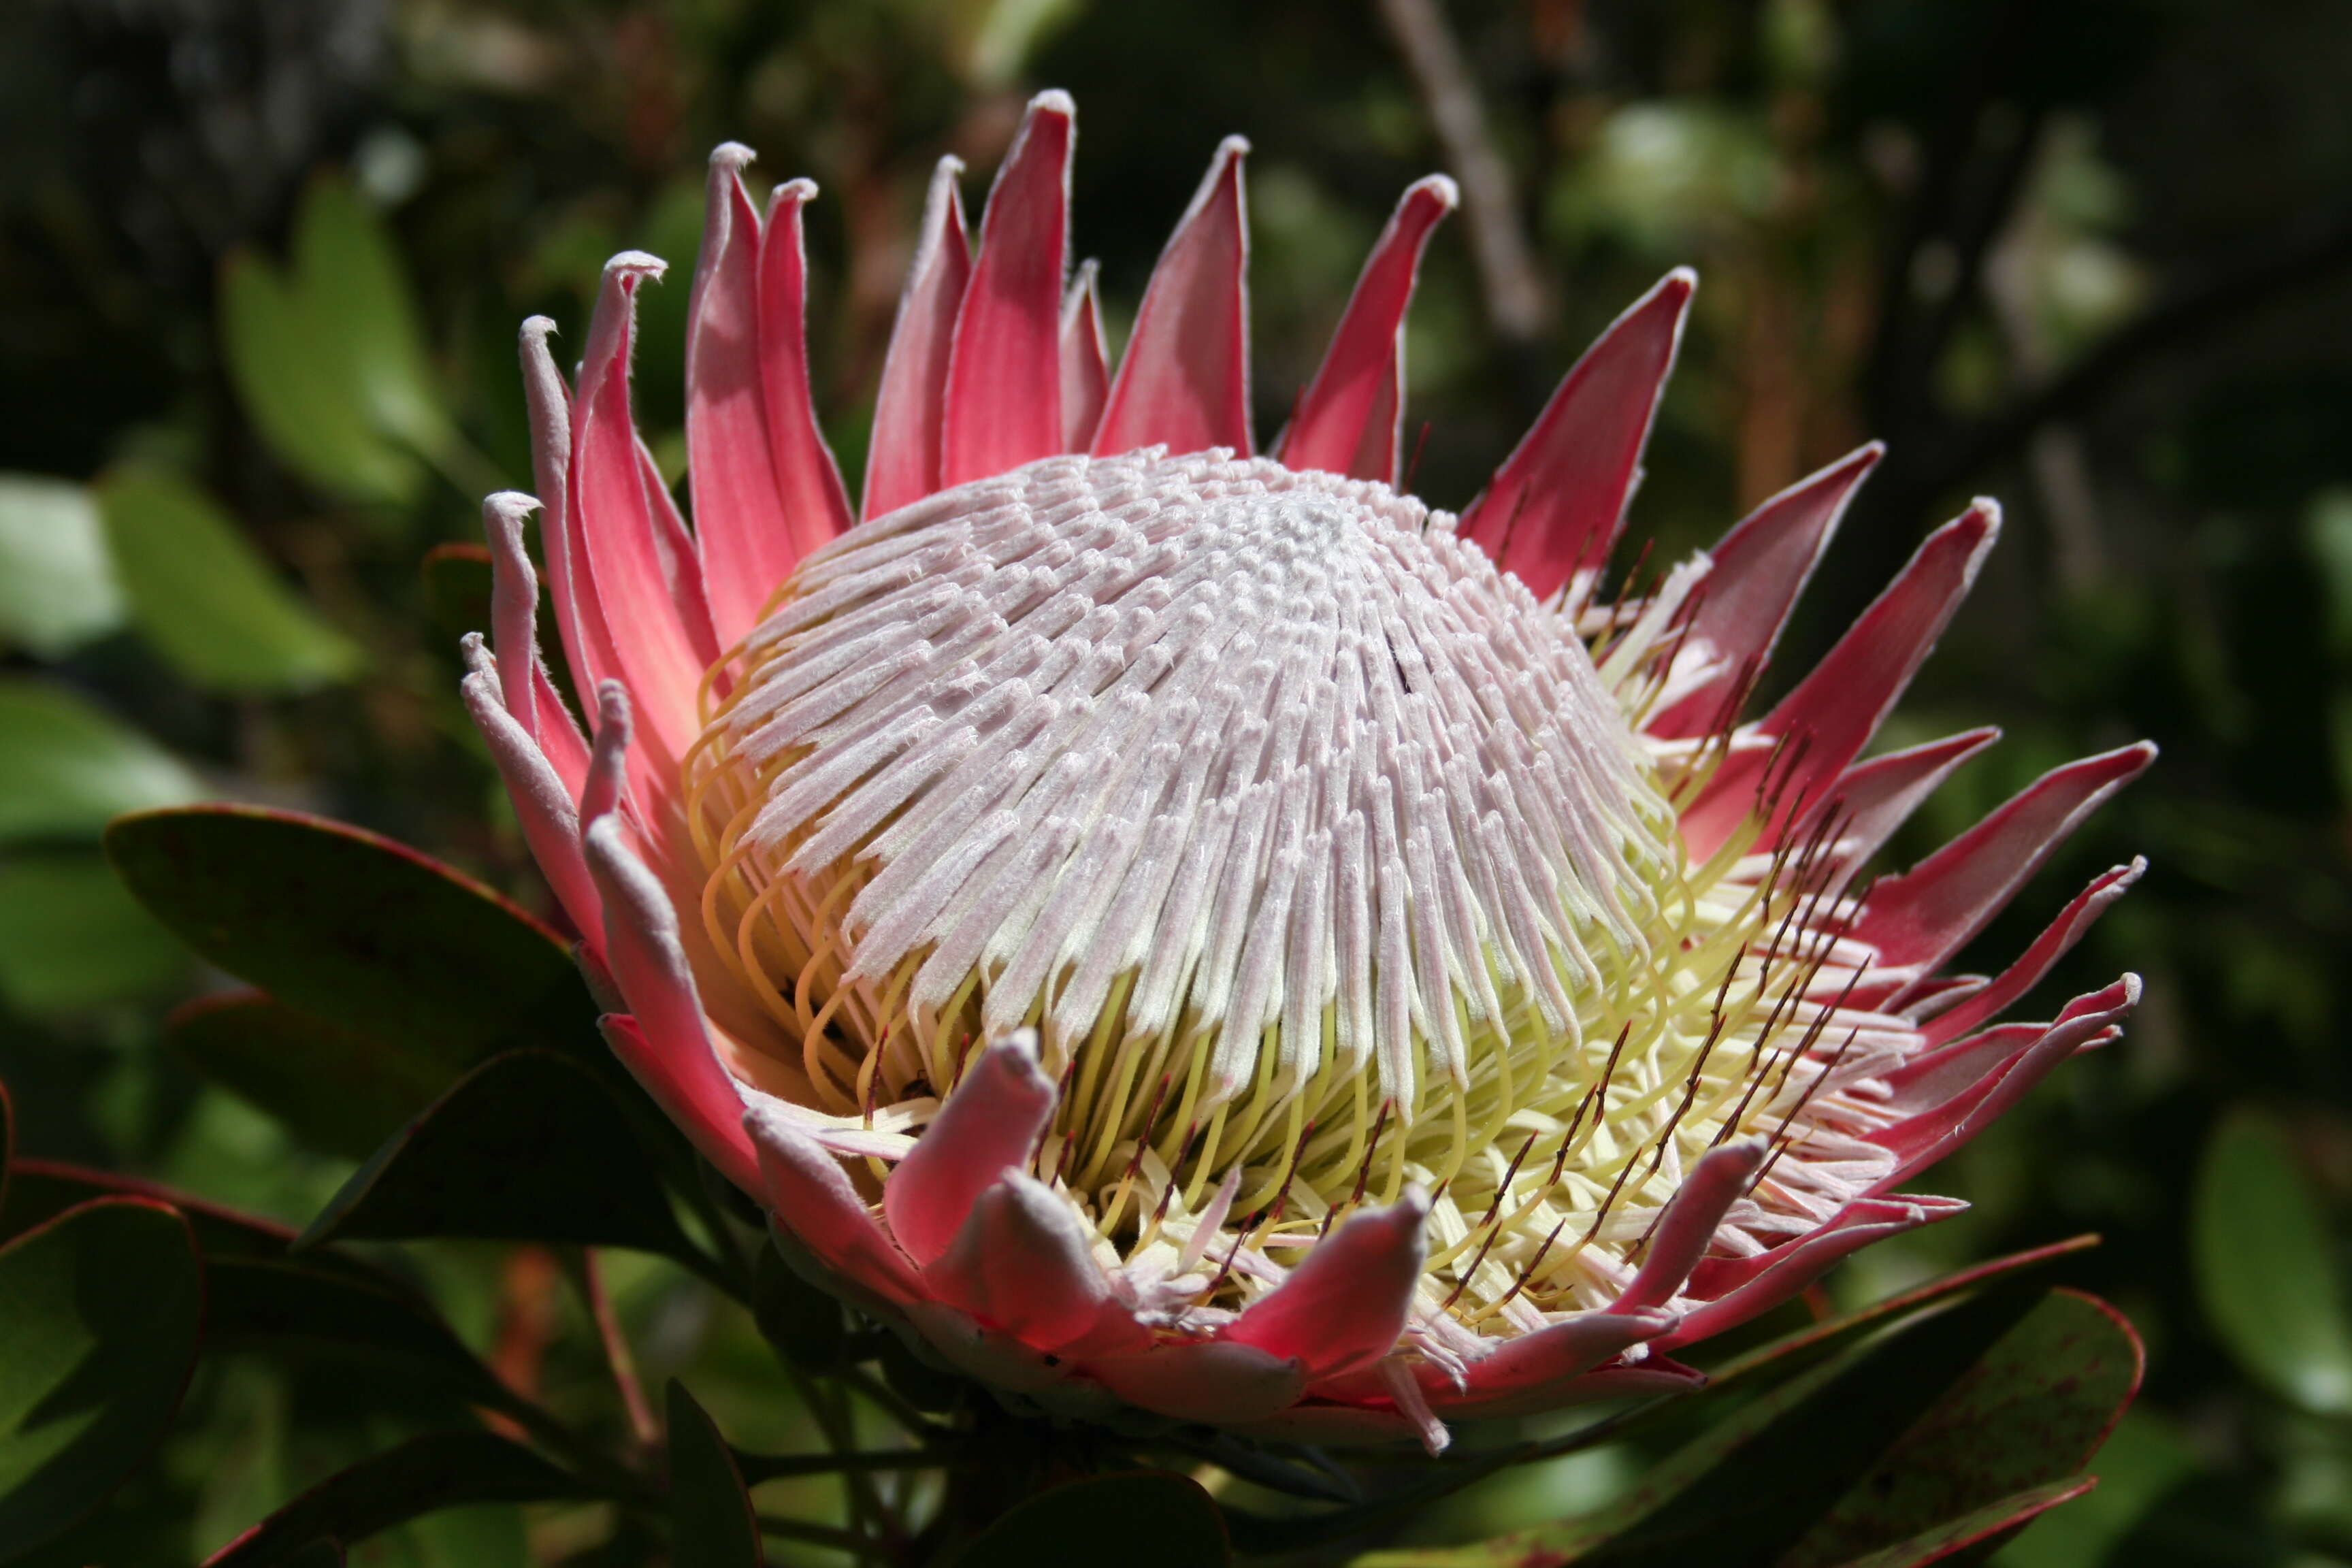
{"points": [[71, 938], [298, 388], [358, 306], [99, 1313], [422, 1476], [1156, 1519], [529, 1146], [67, 766], [58, 588], [2266, 1271], [338, 1091], [356, 929], [711, 1524], [209, 603]]}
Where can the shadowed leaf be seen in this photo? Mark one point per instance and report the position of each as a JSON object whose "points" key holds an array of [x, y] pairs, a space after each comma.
{"points": [[711, 1524], [356, 929], [529, 1146], [2029, 1413], [1158, 1518], [441, 1469], [307, 1314], [338, 1091], [1976, 1533], [99, 1314]]}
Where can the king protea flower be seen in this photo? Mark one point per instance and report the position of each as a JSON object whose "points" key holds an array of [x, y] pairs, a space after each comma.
{"points": [[1182, 930]]}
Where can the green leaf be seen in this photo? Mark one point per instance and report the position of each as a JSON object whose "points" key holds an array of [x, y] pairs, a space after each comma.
{"points": [[67, 766], [529, 1146], [40, 1190], [2265, 1269], [1732, 1383], [1145, 1519], [1809, 1345], [326, 1551], [299, 389], [213, 608], [359, 305], [711, 1524], [100, 1311], [1747, 1487], [1976, 1532], [302, 1313], [2028, 1414], [58, 588], [356, 929], [422, 1476], [71, 938], [320, 1306], [338, 1091], [2138, 1463], [804, 1322]]}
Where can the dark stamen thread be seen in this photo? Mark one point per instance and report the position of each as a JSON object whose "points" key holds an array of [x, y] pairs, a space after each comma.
{"points": [[1493, 1210]]}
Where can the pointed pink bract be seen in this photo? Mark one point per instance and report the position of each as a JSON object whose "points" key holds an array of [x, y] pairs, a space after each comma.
{"points": [[1351, 418], [902, 460], [1004, 378], [1557, 503], [1754, 574], [816, 506], [988, 1123], [1836, 709], [630, 576], [745, 546], [1345, 1304], [1184, 382], [1085, 361]]}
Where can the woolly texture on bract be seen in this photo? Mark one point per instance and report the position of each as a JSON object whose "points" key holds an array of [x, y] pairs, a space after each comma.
{"points": [[1279, 955]]}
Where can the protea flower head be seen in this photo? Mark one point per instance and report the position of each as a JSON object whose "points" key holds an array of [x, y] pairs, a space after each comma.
{"points": [[1182, 930]]}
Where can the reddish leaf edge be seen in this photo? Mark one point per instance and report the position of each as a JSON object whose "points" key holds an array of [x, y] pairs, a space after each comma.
{"points": [[2001, 1520], [116, 1187], [345, 830], [1903, 1302], [195, 1353]]}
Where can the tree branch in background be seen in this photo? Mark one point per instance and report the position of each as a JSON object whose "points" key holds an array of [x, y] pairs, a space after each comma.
{"points": [[2187, 313], [1517, 302]]}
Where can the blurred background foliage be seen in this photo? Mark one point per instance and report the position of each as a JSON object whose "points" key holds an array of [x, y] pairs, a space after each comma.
{"points": [[261, 264]]}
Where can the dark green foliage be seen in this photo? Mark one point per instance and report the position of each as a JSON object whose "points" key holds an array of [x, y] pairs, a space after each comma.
{"points": [[529, 1146], [98, 1311], [2090, 256], [1150, 1518], [710, 1515]]}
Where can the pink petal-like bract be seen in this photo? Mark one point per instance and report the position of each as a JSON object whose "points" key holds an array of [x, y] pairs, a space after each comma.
{"points": [[1214, 934]]}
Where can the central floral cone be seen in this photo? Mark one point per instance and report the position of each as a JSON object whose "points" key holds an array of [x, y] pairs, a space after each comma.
{"points": [[1179, 930]]}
